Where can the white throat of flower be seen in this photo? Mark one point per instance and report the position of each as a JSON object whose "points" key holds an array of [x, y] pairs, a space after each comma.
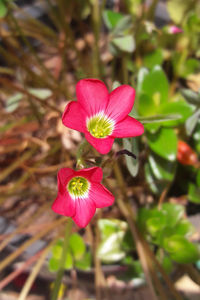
{"points": [[78, 187], [100, 126]]}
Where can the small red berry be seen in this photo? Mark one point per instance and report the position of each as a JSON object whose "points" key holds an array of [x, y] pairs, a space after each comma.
{"points": [[186, 155]]}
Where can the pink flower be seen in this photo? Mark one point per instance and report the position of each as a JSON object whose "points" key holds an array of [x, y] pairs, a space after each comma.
{"points": [[102, 116], [174, 29], [80, 193]]}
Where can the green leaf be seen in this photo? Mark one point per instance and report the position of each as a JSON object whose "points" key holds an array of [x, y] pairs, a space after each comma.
{"points": [[109, 250], [192, 122], [125, 43], [191, 66], [162, 169], [156, 223], [69, 261], [167, 264], [109, 226], [3, 9], [184, 228], [53, 264], [77, 246], [111, 18], [123, 24], [194, 193], [131, 163], [112, 233], [142, 74], [174, 213], [115, 85], [12, 102], [147, 109], [177, 9], [40, 93], [57, 249], [181, 108], [198, 178], [153, 58], [155, 85], [84, 263], [164, 143], [181, 250], [156, 186], [143, 215], [191, 96]]}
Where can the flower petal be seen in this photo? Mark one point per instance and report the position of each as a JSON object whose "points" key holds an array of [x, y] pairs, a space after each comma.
{"points": [[128, 127], [103, 145], [120, 102], [93, 174], [101, 196], [93, 95], [74, 117], [64, 175], [85, 210], [64, 205]]}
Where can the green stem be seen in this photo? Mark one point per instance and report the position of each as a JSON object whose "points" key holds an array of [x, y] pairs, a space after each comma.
{"points": [[61, 270], [83, 148]]}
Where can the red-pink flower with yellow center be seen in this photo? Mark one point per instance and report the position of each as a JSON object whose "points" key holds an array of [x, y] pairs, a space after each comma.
{"points": [[101, 116], [80, 193]]}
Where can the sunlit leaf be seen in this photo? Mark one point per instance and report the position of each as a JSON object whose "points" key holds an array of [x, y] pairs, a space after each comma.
{"points": [[181, 250], [131, 163], [161, 168], [164, 143], [77, 246], [192, 122], [125, 43], [153, 58], [111, 18]]}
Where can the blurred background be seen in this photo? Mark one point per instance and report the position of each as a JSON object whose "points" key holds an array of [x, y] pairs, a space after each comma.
{"points": [[46, 46]]}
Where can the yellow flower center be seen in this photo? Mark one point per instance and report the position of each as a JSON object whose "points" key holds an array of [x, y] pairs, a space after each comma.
{"points": [[78, 187], [100, 126]]}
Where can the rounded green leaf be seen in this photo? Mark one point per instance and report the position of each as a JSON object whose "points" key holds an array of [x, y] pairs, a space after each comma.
{"points": [[156, 224], [53, 264], [178, 8], [184, 228], [69, 261], [153, 58], [57, 249], [164, 143], [181, 108], [174, 213], [77, 246], [155, 85], [125, 43], [109, 226], [109, 250], [181, 250], [111, 18], [84, 263]]}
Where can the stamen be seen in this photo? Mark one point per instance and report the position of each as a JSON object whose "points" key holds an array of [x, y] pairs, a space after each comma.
{"points": [[78, 187], [100, 126]]}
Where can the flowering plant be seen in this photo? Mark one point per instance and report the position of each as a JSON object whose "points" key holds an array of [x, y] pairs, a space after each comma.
{"points": [[102, 116], [80, 193]]}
